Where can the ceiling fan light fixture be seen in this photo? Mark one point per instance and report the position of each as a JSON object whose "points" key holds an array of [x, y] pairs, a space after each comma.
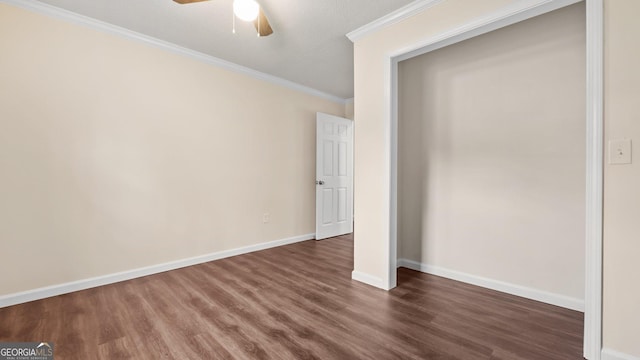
{"points": [[246, 10]]}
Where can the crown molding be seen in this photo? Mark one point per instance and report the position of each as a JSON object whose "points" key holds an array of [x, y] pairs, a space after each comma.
{"points": [[392, 18], [66, 15], [517, 11]]}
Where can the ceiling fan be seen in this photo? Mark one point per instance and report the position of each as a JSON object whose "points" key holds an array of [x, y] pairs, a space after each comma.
{"points": [[247, 10]]}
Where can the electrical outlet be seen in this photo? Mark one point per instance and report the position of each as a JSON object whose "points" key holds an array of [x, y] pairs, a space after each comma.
{"points": [[266, 217], [620, 151]]}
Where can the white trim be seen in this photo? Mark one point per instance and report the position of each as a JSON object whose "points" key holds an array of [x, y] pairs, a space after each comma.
{"points": [[54, 290], [508, 15], [608, 354], [368, 279], [594, 183], [392, 18], [391, 143], [509, 288], [95, 24]]}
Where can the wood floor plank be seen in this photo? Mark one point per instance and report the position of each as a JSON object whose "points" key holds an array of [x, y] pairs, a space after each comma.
{"points": [[294, 302]]}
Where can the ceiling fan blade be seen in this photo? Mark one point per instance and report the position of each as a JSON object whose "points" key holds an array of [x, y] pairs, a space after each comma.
{"points": [[188, 1], [262, 24]]}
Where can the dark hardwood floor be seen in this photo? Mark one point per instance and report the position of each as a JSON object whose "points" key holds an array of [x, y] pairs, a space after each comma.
{"points": [[293, 302]]}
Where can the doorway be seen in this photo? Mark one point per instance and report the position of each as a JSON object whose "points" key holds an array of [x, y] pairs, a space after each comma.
{"points": [[594, 141], [491, 149]]}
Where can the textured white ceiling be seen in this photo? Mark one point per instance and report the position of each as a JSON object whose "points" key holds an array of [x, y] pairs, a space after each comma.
{"points": [[308, 46]]}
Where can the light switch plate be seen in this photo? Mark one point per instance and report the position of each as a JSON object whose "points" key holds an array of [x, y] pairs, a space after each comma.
{"points": [[620, 151]]}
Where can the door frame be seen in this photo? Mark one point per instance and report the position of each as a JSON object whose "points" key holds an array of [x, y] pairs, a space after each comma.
{"points": [[507, 15]]}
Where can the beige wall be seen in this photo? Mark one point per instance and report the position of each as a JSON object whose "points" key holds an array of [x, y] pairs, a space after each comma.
{"points": [[491, 166], [372, 205], [621, 211], [115, 155], [621, 192]]}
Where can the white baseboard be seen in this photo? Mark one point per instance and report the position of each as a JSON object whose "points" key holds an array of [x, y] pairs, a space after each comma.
{"points": [[54, 290], [367, 279], [608, 354], [518, 290]]}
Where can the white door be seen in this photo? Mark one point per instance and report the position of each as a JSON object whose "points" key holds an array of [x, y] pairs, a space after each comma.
{"points": [[334, 176]]}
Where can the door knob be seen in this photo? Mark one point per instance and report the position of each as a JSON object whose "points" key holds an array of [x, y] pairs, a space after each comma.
{"points": [[319, 182]]}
